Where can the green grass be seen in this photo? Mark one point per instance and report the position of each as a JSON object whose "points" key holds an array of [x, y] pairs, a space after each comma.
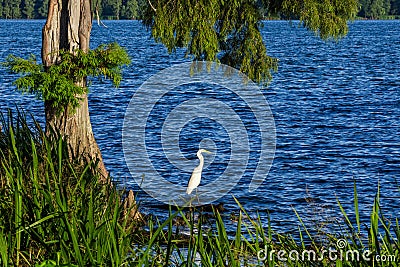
{"points": [[53, 212], [52, 207]]}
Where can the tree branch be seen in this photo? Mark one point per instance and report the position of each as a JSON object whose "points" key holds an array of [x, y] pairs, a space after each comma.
{"points": [[152, 7]]}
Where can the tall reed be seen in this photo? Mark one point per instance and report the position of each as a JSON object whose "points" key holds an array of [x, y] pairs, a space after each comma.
{"points": [[52, 207]]}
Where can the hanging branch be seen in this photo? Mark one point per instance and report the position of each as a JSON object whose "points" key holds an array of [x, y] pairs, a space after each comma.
{"points": [[98, 17], [152, 7]]}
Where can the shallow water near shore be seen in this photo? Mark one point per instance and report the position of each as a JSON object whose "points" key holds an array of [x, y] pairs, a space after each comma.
{"points": [[336, 108]]}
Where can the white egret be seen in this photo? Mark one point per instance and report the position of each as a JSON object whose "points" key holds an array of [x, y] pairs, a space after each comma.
{"points": [[196, 175]]}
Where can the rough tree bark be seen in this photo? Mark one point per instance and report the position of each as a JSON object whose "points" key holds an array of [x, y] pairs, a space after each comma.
{"points": [[68, 27]]}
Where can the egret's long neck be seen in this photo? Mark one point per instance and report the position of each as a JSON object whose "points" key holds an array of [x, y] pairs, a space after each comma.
{"points": [[200, 156]]}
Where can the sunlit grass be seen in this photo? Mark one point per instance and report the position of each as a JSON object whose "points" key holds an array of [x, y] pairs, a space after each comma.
{"points": [[52, 207], [53, 212]]}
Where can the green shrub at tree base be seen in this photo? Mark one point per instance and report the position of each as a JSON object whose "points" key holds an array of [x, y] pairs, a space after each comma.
{"points": [[59, 83]]}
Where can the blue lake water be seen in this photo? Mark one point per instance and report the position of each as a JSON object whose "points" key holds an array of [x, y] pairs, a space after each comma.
{"points": [[336, 108]]}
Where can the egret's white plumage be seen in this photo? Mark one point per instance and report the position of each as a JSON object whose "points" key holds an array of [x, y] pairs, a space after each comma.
{"points": [[196, 175]]}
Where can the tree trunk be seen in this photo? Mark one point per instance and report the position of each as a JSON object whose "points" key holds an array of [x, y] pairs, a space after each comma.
{"points": [[68, 27]]}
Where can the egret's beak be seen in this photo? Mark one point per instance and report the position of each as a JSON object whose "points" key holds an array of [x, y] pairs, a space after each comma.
{"points": [[206, 151]]}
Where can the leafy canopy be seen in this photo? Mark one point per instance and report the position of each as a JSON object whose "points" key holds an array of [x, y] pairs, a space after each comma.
{"points": [[228, 31], [60, 83]]}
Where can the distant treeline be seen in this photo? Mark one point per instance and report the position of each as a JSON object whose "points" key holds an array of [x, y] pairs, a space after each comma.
{"points": [[106, 9], [132, 9], [376, 9]]}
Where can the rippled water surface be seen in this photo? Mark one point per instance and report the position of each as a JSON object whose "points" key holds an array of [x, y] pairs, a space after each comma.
{"points": [[336, 108]]}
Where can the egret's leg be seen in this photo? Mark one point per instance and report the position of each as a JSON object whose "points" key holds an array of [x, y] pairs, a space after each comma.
{"points": [[198, 200]]}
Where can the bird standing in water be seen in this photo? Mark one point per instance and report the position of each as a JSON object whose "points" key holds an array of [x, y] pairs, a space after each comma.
{"points": [[196, 175]]}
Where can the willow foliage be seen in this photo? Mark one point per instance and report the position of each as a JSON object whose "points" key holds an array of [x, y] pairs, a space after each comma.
{"points": [[60, 83], [229, 31], [327, 18]]}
